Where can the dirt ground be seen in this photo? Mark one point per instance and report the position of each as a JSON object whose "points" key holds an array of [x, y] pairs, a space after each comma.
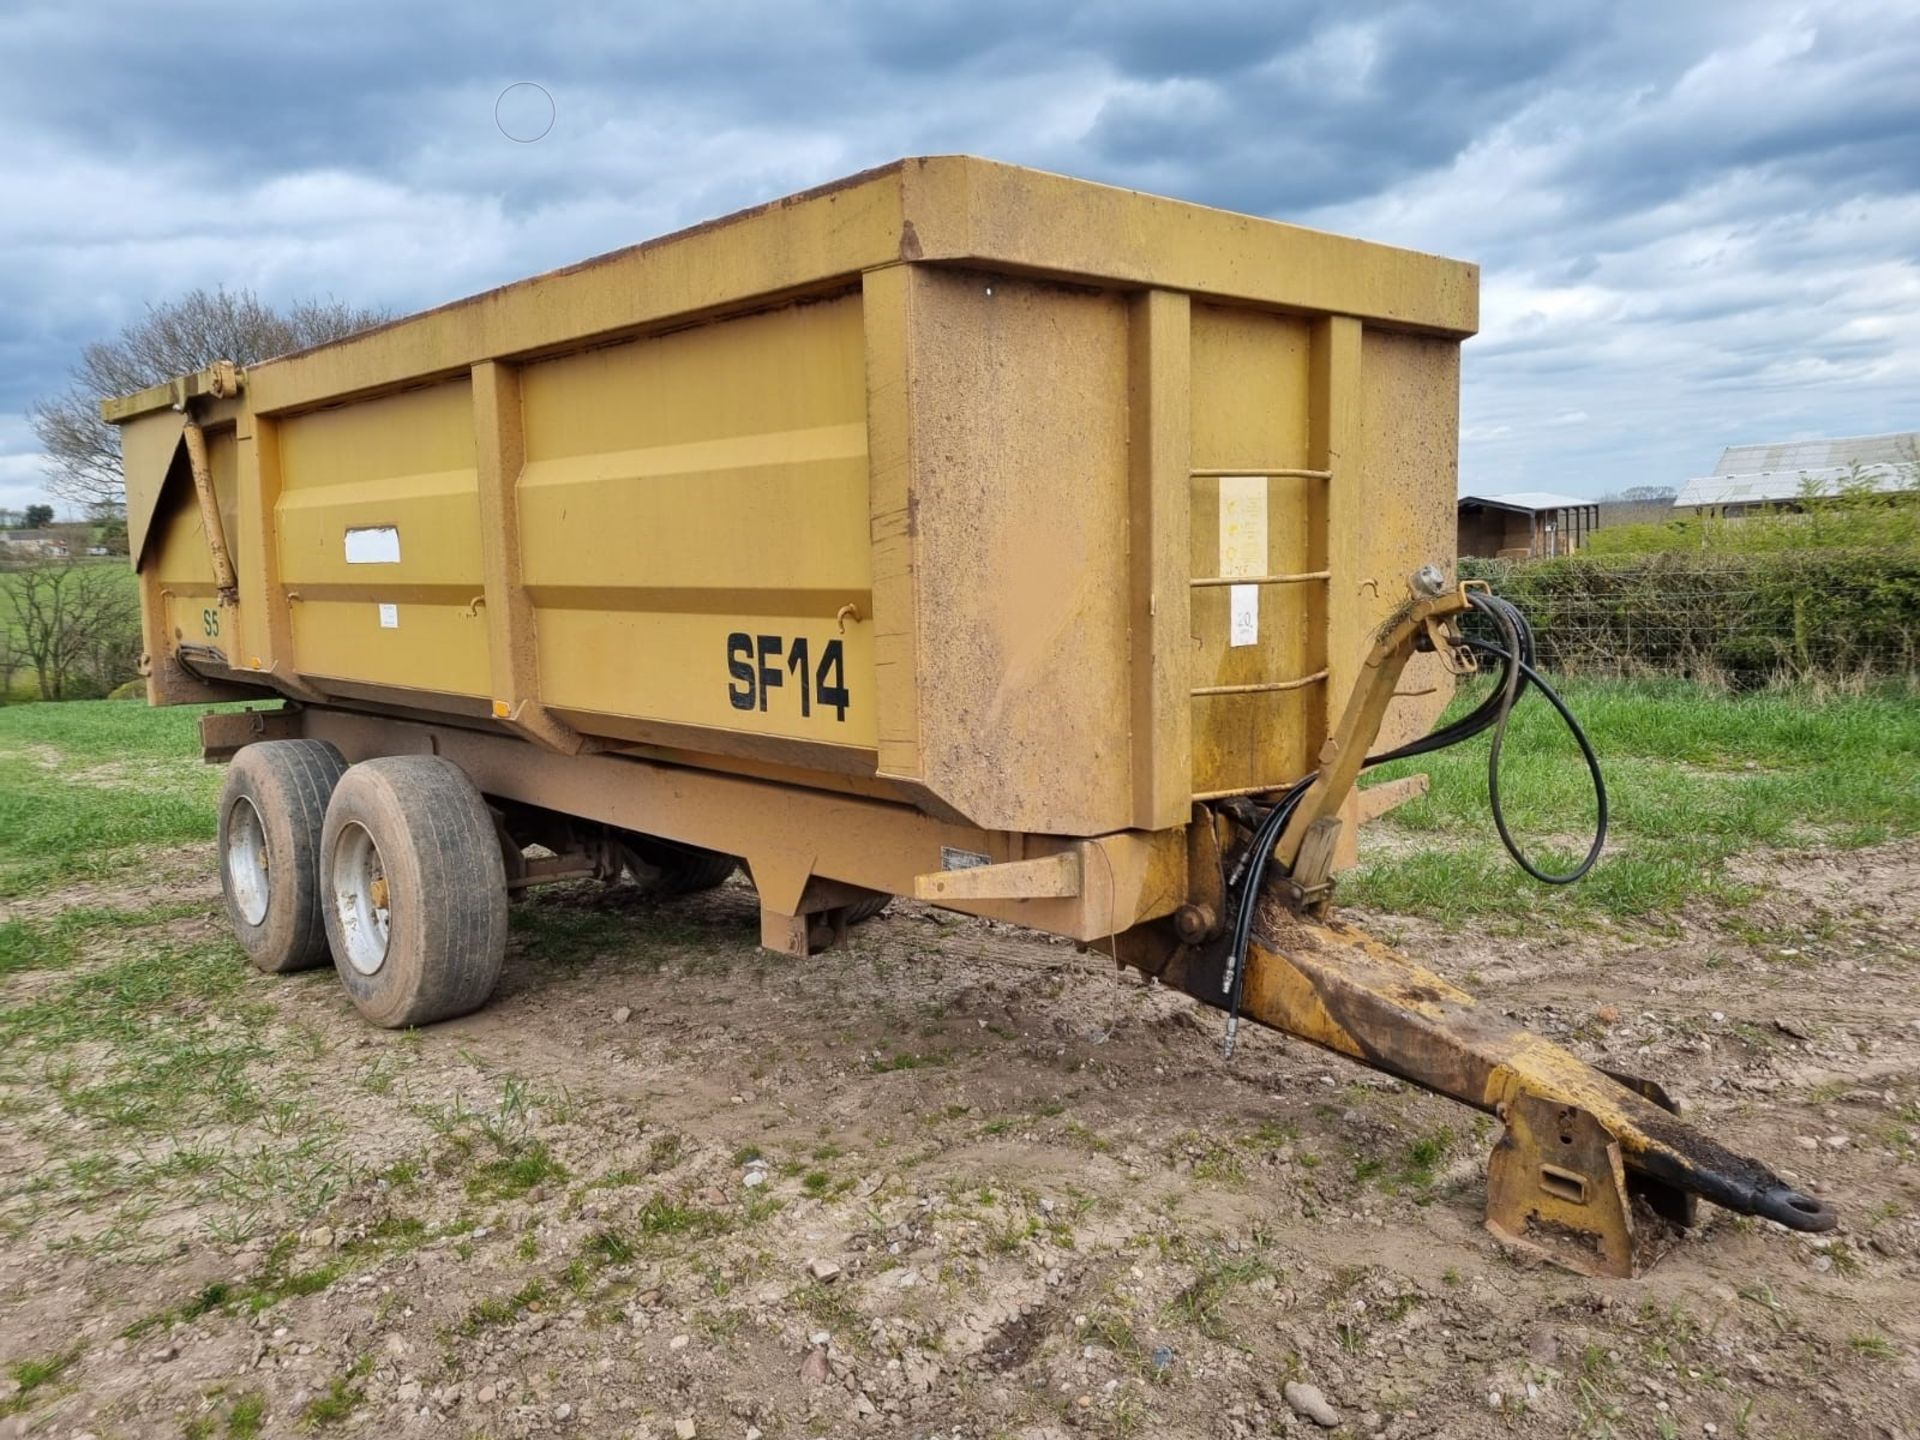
{"points": [[957, 1180]]}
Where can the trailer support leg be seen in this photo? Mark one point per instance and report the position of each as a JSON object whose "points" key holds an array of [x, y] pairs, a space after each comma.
{"points": [[1557, 1189], [802, 935], [820, 918]]}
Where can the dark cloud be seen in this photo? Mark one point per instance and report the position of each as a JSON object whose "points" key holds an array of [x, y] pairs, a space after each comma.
{"points": [[1697, 222]]}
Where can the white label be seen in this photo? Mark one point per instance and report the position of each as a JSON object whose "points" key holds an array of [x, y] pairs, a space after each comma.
{"points": [[389, 617], [1243, 525], [1243, 625], [374, 545], [952, 859], [1243, 551]]}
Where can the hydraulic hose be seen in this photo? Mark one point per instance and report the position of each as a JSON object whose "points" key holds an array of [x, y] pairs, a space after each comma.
{"points": [[1517, 673], [1530, 676]]}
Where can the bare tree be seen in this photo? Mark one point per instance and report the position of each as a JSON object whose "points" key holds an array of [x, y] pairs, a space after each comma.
{"points": [[176, 338], [76, 625]]}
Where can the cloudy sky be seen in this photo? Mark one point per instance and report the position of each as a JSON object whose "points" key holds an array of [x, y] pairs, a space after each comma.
{"points": [[1699, 222]]}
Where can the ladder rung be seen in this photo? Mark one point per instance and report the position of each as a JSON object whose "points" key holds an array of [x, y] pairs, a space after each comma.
{"points": [[1264, 687], [1285, 473], [1201, 582]]}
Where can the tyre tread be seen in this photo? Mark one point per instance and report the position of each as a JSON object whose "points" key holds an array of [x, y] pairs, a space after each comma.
{"points": [[289, 783], [442, 854]]}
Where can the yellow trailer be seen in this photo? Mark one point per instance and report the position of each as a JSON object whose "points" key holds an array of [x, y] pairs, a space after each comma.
{"points": [[954, 531]]}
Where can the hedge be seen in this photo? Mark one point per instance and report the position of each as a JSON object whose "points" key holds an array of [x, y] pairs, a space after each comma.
{"points": [[1743, 619]]}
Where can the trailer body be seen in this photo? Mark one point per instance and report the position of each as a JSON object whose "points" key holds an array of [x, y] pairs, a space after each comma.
{"points": [[1036, 507]]}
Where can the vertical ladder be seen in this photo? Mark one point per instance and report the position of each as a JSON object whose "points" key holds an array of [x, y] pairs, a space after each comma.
{"points": [[1165, 697], [1239, 577]]}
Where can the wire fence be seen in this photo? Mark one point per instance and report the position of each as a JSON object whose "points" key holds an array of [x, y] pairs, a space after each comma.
{"points": [[1738, 620]]}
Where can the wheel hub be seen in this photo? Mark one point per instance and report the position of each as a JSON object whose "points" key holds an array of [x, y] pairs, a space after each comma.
{"points": [[246, 861], [361, 898]]}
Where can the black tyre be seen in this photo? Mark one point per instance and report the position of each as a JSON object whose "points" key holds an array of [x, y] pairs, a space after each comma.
{"points": [[414, 890], [669, 869], [272, 809]]}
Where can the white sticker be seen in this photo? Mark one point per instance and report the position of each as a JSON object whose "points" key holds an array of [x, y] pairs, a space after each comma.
{"points": [[1243, 626], [374, 545], [952, 859], [1243, 551], [1243, 525], [389, 617]]}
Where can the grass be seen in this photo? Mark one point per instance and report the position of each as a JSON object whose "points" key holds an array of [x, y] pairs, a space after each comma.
{"points": [[511, 1175], [151, 1037], [661, 1216], [1202, 1302], [152, 1032], [86, 786], [157, 1024], [158, 1041], [248, 1414], [504, 1309], [30, 1375], [342, 1397], [1421, 1160], [610, 1247], [1695, 776], [905, 1060], [273, 1282], [56, 943]]}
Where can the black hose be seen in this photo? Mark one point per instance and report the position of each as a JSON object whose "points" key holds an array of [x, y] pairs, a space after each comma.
{"points": [[1517, 673], [1253, 866], [1532, 677]]}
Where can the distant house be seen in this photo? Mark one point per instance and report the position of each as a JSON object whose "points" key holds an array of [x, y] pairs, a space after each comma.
{"points": [[33, 545], [1784, 476], [1525, 525]]}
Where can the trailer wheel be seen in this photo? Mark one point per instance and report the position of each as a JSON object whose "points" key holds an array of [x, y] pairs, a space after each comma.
{"points": [[415, 891], [272, 807], [680, 869], [862, 911]]}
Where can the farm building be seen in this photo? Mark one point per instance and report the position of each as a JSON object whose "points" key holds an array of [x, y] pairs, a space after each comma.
{"points": [[33, 545], [1527, 524], [1784, 476]]}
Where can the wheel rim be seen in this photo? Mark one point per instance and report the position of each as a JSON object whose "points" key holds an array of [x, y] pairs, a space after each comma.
{"points": [[247, 862], [361, 898]]}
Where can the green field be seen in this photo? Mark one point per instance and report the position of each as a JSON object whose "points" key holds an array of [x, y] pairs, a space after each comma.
{"points": [[88, 787], [1695, 776]]}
